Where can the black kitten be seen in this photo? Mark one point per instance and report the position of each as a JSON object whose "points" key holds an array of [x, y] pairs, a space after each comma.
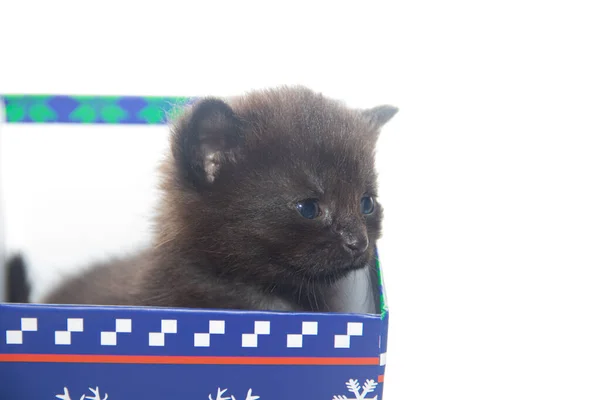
{"points": [[268, 199]]}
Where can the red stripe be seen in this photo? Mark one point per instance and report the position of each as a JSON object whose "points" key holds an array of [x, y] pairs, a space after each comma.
{"points": [[119, 359], [380, 379]]}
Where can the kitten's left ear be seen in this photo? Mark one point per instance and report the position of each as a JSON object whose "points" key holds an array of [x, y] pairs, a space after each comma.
{"points": [[380, 115], [207, 138]]}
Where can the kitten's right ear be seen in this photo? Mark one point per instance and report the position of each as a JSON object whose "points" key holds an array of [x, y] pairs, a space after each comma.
{"points": [[205, 139], [380, 115]]}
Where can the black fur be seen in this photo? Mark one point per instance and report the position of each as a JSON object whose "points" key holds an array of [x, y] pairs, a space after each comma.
{"points": [[228, 234], [18, 287]]}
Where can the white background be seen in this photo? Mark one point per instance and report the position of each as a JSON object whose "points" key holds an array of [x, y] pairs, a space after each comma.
{"points": [[490, 173]]}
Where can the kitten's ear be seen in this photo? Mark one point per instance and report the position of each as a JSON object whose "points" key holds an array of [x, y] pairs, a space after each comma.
{"points": [[205, 139], [380, 115]]}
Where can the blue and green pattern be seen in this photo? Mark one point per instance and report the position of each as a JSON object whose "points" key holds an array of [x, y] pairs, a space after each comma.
{"points": [[145, 110]]}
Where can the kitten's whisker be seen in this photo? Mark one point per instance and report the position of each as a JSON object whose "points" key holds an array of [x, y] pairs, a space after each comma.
{"points": [[314, 293]]}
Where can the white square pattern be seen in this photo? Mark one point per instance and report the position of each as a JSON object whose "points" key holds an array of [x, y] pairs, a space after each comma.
{"points": [[310, 328], [169, 326], [29, 324], [295, 340], [201, 339], [260, 328], [214, 328], [352, 329], [249, 340], [16, 336], [64, 337], [123, 325], [355, 328], [158, 338], [341, 342], [109, 338], [75, 325]]}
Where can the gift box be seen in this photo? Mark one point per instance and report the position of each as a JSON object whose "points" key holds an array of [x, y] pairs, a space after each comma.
{"points": [[99, 353]]}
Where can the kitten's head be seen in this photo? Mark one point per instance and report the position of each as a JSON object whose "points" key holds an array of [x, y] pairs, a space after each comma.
{"points": [[277, 185]]}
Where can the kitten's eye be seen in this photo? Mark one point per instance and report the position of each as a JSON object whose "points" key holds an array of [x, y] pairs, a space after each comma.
{"points": [[367, 205], [309, 208]]}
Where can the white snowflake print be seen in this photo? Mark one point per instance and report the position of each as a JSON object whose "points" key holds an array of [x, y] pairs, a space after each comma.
{"points": [[354, 387], [95, 392], [220, 394]]}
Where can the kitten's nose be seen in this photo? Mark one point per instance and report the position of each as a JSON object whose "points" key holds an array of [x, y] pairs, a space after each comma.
{"points": [[356, 244]]}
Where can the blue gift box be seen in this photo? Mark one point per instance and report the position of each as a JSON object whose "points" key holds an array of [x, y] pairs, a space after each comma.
{"points": [[101, 353]]}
